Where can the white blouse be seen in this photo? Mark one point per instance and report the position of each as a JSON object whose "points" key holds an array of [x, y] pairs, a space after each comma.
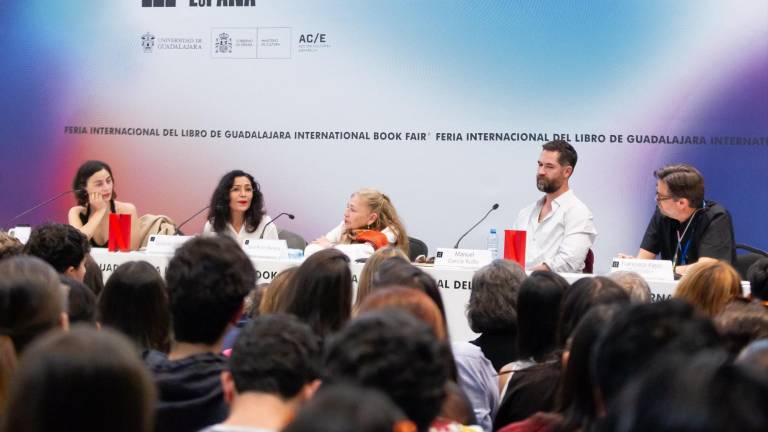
{"points": [[270, 233]]}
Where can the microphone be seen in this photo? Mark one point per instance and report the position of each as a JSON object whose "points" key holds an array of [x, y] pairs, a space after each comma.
{"points": [[178, 227], [290, 216], [494, 207], [44, 203]]}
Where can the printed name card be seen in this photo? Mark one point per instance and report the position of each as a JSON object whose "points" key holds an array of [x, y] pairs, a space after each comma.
{"points": [[165, 244], [268, 249], [464, 258], [648, 269]]}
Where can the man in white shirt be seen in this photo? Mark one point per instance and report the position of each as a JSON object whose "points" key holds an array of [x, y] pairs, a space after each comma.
{"points": [[559, 227]]}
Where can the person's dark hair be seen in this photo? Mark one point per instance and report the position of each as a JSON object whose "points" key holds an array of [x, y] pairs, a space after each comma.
{"points": [[741, 323], [84, 380], [638, 335], [393, 352], [703, 393], [538, 306], [347, 408], [320, 293], [93, 277], [81, 302], [86, 170], [219, 211], [758, 279], [755, 356], [575, 399], [135, 302], [493, 300], [60, 245], [398, 271], [9, 246], [583, 295], [207, 278], [275, 354], [683, 181], [31, 303], [567, 154]]}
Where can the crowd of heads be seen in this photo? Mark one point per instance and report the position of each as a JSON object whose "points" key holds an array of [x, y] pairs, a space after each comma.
{"points": [[594, 354]]}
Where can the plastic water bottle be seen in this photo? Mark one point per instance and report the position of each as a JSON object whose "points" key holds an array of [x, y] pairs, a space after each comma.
{"points": [[493, 244]]}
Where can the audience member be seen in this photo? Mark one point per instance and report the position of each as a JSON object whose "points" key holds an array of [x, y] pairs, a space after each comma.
{"points": [[273, 370], [9, 246], [272, 292], [633, 284], [62, 246], [93, 277], [741, 323], [410, 300], [31, 303], [320, 293], [135, 302], [208, 278], [365, 283], [81, 303], [758, 280], [755, 356], [83, 380], [709, 286], [393, 352]]}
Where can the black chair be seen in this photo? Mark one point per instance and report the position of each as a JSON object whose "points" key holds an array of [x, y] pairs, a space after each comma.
{"points": [[416, 247], [744, 261], [589, 262], [293, 240]]}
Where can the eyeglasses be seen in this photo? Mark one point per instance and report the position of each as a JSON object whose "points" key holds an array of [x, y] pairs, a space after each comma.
{"points": [[660, 197]]}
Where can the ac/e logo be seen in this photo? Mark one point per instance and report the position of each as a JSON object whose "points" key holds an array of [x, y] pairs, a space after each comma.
{"points": [[312, 38], [158, 3]]}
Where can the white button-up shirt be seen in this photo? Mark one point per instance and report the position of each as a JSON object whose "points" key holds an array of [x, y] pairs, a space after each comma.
{"points": [[562, 239]]}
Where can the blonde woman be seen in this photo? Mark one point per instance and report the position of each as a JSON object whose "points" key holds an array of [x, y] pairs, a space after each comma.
{"points": [[369, 219], [709, 286]]}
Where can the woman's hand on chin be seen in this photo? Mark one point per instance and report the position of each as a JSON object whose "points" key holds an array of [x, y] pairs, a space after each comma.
{"points": [[96, 201]]}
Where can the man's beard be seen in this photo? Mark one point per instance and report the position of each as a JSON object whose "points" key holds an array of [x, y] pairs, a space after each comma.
{"points": [[547, 186]]}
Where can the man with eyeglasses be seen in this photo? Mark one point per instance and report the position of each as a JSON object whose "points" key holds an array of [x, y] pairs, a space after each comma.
{"points": [[685, 228]]}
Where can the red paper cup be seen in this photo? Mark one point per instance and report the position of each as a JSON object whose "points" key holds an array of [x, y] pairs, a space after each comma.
{"points": [[514, 246], [119, 232]]}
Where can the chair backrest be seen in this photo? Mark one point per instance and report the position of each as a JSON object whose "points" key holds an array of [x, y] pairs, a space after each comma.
{"points": [[294, 240], [744, 261], [416, 247], [589, 262]]}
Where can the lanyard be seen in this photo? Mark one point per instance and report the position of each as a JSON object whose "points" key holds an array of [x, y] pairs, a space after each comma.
{"points": [[683, 249]]}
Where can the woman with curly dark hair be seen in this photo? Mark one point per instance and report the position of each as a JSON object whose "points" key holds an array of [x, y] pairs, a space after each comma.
{"points": [[237, 209]]}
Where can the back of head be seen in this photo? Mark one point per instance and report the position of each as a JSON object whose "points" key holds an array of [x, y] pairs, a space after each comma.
{"points": [[62, 246], [9, 246], [755, 356], [393, 352], [85, 380], [702, 393], [207, 278], [538, 306], [275, 354], [683, 181], [633, 284], [93, 277], [400, 272], [493, 300], [348, 408], [135, 302], [380, 204], [758, 279], [81, 302], [365, 284], [320, 293], [273, 291], [637, 336], [709, 286], [410, 300], [584, 294], [741, 323]]}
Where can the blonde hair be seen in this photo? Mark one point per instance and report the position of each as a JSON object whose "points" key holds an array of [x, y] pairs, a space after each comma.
{"points": [[271, 296], [380, 204], [413, 301], [365, 283], [709, 286]]}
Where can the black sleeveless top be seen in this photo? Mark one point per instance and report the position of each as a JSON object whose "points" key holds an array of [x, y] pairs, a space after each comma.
{"points": [[84, 220]]}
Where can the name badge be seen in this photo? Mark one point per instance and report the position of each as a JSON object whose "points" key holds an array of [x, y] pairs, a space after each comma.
{"points": [[165, 244], [465, 258], [648, 269], [267, 249]]}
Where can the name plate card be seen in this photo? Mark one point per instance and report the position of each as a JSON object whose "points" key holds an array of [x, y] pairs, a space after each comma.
{"points": [[464, 258], [266, 249], [165, 244], [648, 269]]}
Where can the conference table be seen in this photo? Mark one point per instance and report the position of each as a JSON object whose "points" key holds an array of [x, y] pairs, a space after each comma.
{"points": [[455, 283]]}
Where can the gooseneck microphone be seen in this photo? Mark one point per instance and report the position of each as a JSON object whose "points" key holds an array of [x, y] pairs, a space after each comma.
{"points": [[494, 207], [178, 227], [290, 216], [43, 204]]}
